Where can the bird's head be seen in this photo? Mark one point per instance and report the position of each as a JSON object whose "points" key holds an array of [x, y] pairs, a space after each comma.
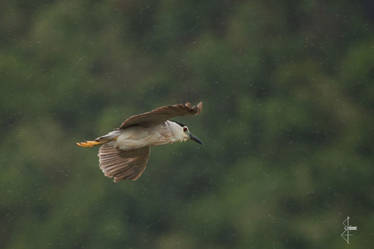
{"points": [[186, 134]]}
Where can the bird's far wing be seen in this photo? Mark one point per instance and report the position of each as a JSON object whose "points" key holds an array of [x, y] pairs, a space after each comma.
{"points": [[161, 114], [123, 165]]}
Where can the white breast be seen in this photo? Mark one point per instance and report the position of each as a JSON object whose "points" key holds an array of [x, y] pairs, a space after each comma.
{"points": [[137, 136]]}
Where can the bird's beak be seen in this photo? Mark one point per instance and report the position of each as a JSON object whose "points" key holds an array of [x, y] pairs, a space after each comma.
{"points": [[192, 137]]}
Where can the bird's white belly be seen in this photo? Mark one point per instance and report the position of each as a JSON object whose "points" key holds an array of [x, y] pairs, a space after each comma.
{"points": [[137, 137]]}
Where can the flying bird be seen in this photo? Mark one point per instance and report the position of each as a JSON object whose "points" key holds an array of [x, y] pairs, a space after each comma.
{"points": [[124, 152]]}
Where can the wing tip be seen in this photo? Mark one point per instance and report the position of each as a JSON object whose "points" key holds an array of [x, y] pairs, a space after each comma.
{"points": [[199, 107], [196, 109]]}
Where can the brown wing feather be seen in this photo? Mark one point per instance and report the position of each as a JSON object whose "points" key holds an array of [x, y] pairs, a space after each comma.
{"points": [[161, 114], [122, 165]]}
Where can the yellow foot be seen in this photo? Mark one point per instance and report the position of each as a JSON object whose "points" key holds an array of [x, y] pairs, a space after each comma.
{"points": [[88, 143]]}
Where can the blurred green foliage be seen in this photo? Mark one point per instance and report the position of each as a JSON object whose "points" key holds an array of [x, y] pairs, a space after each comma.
{"points": [[287, 122]]}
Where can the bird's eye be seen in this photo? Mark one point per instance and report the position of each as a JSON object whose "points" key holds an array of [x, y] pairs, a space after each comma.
{"points": [[185, 129]]}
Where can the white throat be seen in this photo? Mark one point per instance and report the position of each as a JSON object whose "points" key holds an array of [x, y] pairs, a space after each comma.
{"points": [[176, 131]]}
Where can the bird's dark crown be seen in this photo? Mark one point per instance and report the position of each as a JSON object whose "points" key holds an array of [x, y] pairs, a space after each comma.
{"points": [[181, 124]]}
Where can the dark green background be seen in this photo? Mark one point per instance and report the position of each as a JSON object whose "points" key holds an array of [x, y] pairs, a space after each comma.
{"points": [[287, 123]]}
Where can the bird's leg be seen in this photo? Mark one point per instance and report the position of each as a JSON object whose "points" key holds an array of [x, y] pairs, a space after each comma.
{"points": [[88, 144], [101, 140]]}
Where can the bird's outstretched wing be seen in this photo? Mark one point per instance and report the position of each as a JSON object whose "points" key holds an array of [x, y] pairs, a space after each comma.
{"points": [[122, 165], [161, 114]]}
